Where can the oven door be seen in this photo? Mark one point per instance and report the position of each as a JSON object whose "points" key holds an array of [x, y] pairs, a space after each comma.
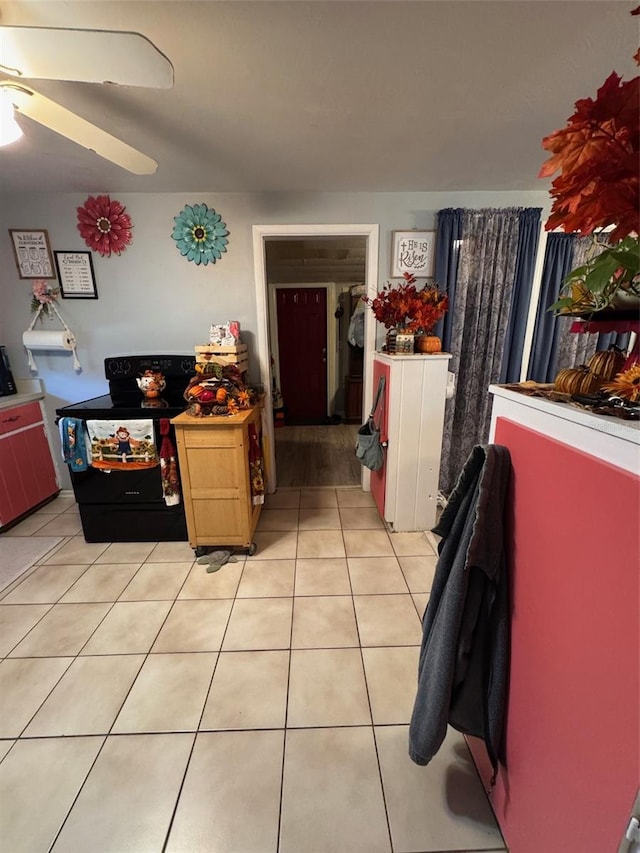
{"points": [[126, 506], [97, 486]]}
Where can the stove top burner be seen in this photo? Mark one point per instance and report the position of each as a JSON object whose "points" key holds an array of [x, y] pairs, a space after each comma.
{"points": [[125, 399], [106, 407]]}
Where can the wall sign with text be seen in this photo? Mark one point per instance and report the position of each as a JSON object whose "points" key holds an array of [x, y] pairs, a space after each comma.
{"points": [[32, 253], [412, 251], [75, 274]]}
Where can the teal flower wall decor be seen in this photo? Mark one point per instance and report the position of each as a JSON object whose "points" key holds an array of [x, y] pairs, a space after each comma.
{"points": [[200, 234]]}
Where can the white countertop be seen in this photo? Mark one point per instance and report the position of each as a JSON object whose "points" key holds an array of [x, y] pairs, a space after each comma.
{"points": [[627, 430], [413, 356], [28, 391], [608, 438]]}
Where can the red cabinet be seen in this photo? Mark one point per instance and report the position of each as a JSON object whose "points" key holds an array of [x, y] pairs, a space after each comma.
{"points": [[27, 472]]}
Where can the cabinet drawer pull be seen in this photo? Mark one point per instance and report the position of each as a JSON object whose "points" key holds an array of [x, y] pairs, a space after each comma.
{"points": [[11, 420]]}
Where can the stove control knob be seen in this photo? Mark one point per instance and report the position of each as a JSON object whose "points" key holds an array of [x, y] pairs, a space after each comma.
{"points": [[116, 367], [186, 365]]}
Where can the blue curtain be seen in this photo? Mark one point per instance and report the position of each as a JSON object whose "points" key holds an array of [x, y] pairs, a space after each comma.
{"points": [[528, 239], [448, 236], [558, 260], [618, 339]]}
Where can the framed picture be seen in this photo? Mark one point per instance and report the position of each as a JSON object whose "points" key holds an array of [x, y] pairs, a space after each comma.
{"points": [[32, 253], [412, 251], [75, 274]]}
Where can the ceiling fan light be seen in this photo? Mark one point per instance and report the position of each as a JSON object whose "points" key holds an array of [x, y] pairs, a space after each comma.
{"points": [[10, 130]]}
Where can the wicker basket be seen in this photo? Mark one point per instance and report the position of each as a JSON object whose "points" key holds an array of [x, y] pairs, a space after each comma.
{"points": [[211, 395]]}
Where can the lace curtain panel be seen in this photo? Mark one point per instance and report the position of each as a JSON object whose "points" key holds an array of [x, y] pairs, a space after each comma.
{"points": [[479, 320], [574, 349]]}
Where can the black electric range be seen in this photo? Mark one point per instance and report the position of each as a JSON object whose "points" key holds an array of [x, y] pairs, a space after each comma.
{"points": [[128, 506]]}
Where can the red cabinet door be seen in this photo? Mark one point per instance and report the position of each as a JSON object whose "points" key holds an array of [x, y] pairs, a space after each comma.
{"points": [[33, 455], [27, 472], [302, 347], [13, 500]]}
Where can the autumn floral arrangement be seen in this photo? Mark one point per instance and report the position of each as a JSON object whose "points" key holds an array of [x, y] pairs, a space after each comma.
{"points": [[404, 307], [597, 155], [218, 390]]}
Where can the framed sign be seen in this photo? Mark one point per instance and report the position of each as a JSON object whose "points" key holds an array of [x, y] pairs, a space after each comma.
{"points": [[412, 251], [32, 253], [75, 274]]}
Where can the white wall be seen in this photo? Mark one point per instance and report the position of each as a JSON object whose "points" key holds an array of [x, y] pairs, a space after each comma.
{"points": [[153, 300]]}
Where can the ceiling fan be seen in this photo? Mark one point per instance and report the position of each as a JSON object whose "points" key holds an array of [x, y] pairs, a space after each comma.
{"points": [[88, 56]]}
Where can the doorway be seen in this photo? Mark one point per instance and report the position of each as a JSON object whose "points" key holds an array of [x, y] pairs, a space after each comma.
{"points": [[262, 235]]}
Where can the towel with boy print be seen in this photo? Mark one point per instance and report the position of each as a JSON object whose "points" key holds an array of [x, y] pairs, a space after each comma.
{"points": [[127, 445]]}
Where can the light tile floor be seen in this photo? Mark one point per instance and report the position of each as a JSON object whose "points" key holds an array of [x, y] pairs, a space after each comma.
{"points": [[146, 705]]}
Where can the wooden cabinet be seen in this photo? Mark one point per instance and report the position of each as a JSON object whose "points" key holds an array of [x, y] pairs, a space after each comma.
{"points": [[27, 473], [214, 465], [405, 489]]}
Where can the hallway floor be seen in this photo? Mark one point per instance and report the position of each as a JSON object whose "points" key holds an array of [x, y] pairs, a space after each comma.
{"points": [[146, 705], [311, 456]]}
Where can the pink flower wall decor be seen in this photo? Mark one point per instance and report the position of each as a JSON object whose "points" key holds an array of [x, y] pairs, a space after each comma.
{"points": [[104, 225]]}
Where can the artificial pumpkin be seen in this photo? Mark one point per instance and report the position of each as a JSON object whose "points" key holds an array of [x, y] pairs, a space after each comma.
{"points": [[607, 363], [428, 343], [577, 380], [221, 395]]}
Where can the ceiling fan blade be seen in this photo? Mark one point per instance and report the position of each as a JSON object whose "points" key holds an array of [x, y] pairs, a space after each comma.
{"points": [[66, 123], [88, 56]]}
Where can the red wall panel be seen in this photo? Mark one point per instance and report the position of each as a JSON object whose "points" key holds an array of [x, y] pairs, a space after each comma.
{"points": [[573, 725]]}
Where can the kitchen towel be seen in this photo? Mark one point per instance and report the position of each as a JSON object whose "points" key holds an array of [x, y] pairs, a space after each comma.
{"points": [[168, 466], [256, 467], [74, 443], [123, 445]]}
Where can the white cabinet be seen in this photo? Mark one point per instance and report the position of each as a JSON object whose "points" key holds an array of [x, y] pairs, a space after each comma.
{"points": [[406, 488]]}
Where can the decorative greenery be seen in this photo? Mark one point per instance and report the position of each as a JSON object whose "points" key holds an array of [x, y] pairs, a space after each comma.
{"points": [[104, 225], [405, 307], [43, 295], [598, 188], [200, 234], [611, 270]]}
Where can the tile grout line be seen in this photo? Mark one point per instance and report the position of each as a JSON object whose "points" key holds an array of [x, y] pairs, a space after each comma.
{"points": [[80, 789], [366, 685], [206, 698], [286, 703]]}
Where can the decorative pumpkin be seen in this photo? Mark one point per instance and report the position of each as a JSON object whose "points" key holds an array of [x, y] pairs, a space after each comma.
{"points": [[221, 395], [607, 363], [577, 380], [428, 343]]}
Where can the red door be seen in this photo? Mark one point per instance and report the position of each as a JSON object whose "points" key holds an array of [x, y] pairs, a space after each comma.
{"points": [[302, 346]]}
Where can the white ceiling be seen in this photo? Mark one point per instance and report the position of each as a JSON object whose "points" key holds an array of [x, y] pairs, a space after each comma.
{"points": [[329, 96]]}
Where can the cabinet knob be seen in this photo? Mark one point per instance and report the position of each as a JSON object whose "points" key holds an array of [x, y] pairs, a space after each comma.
{"points": [[11, 419]]}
